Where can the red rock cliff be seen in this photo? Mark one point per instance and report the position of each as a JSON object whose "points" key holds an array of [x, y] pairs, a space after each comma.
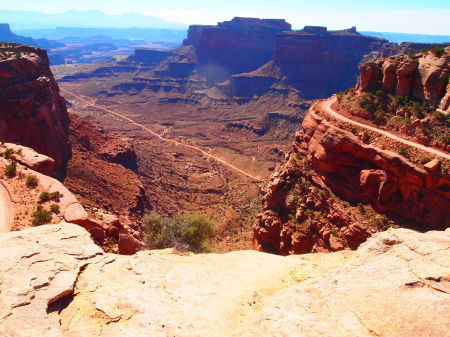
{"points": [[424, 77], [319, 62], [236, 46], [32, 113], [303, 209]]}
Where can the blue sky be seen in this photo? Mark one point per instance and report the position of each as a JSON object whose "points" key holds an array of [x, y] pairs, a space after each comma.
{"points": [[428, 17]]}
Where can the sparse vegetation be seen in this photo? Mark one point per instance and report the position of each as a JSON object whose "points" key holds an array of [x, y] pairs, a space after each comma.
{"points": [[46, 196], [403, 151], [10, 171], [182, 231], [41, 216], [31, 181], [400, 114], [54, 208], [9, 154], [381, 222]]}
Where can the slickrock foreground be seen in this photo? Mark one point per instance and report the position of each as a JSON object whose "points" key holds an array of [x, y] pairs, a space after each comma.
{"points": [[55, 281]]}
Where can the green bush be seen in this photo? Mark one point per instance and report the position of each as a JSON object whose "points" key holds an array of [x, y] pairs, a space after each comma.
{"points": [[46, 196], [182, 231], [31, 181], [403, 151], [41, 216], [54, 208], [438, 51], [9, 154], [10, 171]]}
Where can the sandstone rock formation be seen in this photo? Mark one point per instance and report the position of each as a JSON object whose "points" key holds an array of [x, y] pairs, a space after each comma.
{"points": [[318, 62], [30, 158], [313, 62], [55, 282], [248, 57], [32, 113], [424, 77], [236, 46], [299, 215]]}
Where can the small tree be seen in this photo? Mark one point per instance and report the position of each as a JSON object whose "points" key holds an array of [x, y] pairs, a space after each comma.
{"points": [[183, 231], [10, 171], [46, 196], [41, 216], [31, 181], [54, 208]]}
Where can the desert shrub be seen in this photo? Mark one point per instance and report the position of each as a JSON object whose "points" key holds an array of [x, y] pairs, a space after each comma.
{"points": [[182, 231], [46, 196], [424, 160], [445, 138], [412, 53], [41, 216], [403, 151], [10, 171], [54, 208], [438, 51], [31, 181], [9, 154]]}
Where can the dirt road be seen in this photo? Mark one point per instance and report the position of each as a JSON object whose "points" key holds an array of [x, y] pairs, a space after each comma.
{"points": [[163, 138], [325, 106]]}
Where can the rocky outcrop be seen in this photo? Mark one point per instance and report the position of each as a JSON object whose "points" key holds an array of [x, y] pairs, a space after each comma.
{"points": [[424, 77], [107, 229], [299, 214], [32, 113], [55, 281], [30, 158]]}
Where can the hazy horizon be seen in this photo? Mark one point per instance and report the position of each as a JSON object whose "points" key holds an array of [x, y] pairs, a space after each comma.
{"points": [[383, 16]]}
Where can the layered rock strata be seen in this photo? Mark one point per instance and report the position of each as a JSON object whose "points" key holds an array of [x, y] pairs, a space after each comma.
{"points": [[299, 214], [55, 281], [314, 62], [32, 113]]}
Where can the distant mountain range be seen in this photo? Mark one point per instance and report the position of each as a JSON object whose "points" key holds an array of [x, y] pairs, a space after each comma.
{"points": [[405, 37], [89, 19], [65, 34], [39, 25]]}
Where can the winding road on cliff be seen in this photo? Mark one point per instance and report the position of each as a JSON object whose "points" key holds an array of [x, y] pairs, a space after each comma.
{"points": [[325, 106], [224, 162], [5, 210]]}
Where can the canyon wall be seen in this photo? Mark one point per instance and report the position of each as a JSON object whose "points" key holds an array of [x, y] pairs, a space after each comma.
{"points": [[423, 77], [313, 62], [319, 63], [32, 113], [236, 46], [303, 212]]}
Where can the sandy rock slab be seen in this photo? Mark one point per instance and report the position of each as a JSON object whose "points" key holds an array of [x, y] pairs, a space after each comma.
{"points": [[396, 284], [39, 266]]}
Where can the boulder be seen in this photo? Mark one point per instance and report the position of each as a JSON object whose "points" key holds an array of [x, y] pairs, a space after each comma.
{"points": [[433, 166], [128, 245]]}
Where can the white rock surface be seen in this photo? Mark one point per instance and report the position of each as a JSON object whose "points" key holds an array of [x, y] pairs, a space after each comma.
{"points": [[396, 284]]}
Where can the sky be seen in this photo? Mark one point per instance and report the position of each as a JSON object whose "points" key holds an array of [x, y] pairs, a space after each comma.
{"points": [[426, 17]]}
